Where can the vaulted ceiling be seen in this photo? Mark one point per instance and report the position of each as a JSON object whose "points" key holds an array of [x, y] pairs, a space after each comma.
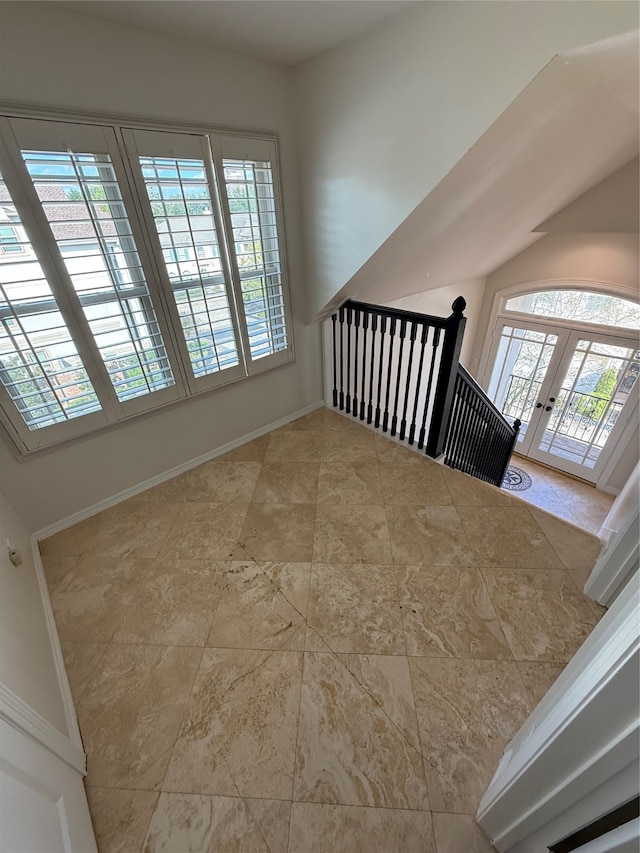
{"points": [[574, 126]]}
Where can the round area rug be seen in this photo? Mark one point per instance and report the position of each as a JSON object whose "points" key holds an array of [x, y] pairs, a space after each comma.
{"points": [[516, 480]]}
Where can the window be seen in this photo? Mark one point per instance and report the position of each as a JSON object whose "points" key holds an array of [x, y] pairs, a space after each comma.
{"points": [[582, 305], [137, 267], [10, 243]]}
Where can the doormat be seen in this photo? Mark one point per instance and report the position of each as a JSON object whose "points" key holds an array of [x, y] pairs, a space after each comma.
{"points": [[516, 480]]}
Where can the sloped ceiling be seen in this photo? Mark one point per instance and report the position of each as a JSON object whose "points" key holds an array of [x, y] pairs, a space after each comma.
{"points": [[572, 127], [611, 207]]}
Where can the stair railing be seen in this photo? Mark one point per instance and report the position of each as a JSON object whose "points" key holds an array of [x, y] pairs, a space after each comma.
{"points": [[400, 372], [479, 440], [396, 369]]}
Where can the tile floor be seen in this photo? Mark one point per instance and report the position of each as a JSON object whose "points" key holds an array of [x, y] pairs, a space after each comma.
{"points": [[563, 496], [318, 642]]}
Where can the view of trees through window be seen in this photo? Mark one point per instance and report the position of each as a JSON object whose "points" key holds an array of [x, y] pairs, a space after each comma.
{"points": [[580, 305]]}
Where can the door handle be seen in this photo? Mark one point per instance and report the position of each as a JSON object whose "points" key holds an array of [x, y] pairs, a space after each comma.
{"points": [[538, 405]]}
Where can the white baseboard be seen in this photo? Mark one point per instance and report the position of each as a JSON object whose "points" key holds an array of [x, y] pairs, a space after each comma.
{"points": [[61, 672], [125, 494], [21, 716]]}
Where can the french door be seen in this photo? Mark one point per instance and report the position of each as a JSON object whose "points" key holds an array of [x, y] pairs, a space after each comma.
{"points": [[573, 390]]}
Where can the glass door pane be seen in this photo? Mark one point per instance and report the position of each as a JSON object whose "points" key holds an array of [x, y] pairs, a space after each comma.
{"points": [[519, 369], [594, 388]]}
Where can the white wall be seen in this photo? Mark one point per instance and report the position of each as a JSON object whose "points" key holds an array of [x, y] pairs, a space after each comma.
{"points": [[52, 57], [439, 301], [386, 116], [26, 662], [611, 259]]}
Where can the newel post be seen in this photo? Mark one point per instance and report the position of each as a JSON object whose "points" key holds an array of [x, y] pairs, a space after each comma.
{"points": [[443, 398]]}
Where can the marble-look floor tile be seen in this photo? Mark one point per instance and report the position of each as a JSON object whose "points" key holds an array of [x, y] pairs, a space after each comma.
{"points": [[277, 531], [459, 833], [238, 733], [76, 539], [287, 482], [220, 481], [205, 531], [56, 569], [544, 615], [334, 421], [539, 677], [91, 601], [466, 490], [354, 608], [357, 741], [174, 607], [295, 446], [130, 716], [577, 549], [120, 818], [192, 823], [393, 453], [468, 710], [356, 482], [314, 422], [448, 613], [80, 662], [421, 484], [135, 530], [511, 537], [351, 534], [432, 535], [263, 606], [324, 828], [176, 490], [250, 451], [347, 446]]}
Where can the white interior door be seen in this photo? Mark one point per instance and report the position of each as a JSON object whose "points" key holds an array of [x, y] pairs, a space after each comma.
{"points": [[43, 807]]}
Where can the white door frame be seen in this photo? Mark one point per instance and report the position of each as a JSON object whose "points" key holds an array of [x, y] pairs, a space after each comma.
{"points": [[623, 430], [553, 388], [577, 756]]}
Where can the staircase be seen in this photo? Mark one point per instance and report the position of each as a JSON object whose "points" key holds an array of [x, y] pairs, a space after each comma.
{"points": [[400, 372]]}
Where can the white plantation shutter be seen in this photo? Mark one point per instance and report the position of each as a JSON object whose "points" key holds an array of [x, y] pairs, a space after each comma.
{"points": [[248, 171], [41, 371], [136, 267], [82, 198], [173, 172]]}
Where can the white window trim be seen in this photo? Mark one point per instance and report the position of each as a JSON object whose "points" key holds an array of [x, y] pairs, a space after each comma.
{"points": [[24, 441]]}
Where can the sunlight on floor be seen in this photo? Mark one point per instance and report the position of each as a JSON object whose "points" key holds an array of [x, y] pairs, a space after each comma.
{"points": [[563, 496]]}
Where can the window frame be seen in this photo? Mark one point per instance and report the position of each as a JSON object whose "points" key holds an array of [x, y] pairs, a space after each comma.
{"points": [[34, 221]]}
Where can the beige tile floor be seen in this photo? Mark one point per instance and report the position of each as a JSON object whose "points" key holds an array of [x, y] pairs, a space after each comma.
{"points": [[318, 642], [563, 496]]}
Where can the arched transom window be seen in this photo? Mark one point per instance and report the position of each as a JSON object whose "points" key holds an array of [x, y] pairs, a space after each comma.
{"points": [[582, 306]]}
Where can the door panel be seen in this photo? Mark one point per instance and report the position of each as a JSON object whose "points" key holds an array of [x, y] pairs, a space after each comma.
{"points": [[522, 358], [573, 391], [43, 807], [596, 381]]}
